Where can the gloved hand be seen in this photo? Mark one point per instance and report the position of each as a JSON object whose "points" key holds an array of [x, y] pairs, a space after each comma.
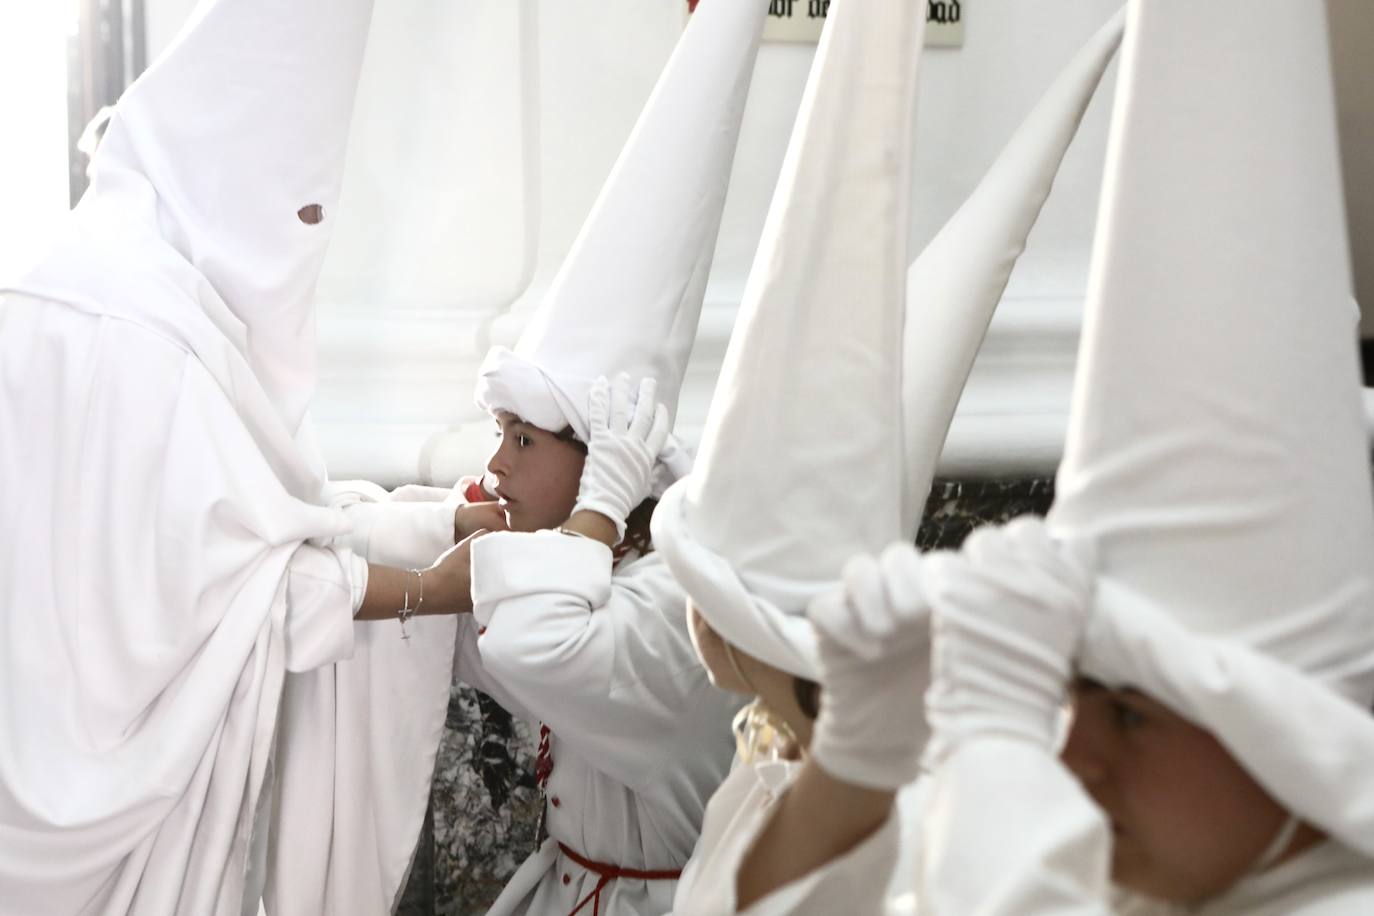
{"points": [[1008, 616], [625, 441], [875, 666]]}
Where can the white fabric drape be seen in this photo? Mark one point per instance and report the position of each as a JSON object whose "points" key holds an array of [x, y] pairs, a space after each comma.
{"points": [[158, 569]]}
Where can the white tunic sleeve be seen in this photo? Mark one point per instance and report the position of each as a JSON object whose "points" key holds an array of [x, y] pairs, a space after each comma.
{"points": [[599, 659], [410, 534], [321, 600], [1009, 832], [324, 579]]}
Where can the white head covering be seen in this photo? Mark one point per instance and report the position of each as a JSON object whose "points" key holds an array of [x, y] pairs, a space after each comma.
{"points": [[757, 530], [217, 183], [954, 286], [1216, 452], [628, 297], [170, 479], [800, 459]]}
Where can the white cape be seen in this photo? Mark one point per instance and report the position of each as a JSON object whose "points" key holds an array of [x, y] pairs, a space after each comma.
{"points": [[165, 561]]}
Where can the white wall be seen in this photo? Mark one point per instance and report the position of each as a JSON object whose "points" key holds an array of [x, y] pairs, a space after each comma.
{"points": [[34, 190], [484, 131]]}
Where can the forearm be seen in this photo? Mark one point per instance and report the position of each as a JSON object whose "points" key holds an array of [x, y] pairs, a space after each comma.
{"points": [[390, 589], [817, 821]]}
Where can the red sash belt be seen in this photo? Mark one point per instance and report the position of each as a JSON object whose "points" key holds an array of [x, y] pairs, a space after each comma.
{"points": [[609, 873]]}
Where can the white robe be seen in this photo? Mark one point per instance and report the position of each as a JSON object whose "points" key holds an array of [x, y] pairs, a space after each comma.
{"points": [[167, 556], [640, 737], [876, 876], [1010, 831], [148, 616], [343, 788]]}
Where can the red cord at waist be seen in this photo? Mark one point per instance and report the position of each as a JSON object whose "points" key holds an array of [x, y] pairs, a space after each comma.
{"points": [[608, 873]]}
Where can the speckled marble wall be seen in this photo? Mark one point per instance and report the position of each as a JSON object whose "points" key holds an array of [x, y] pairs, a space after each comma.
{"points": [[956, 507], [485, 806]]}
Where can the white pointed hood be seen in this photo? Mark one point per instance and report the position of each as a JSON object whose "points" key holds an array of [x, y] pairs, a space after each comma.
{"points": [[1216, 452], [629, 295], [756, 598], [954, 286], [213, 198], [229, 150], [800, 460]]}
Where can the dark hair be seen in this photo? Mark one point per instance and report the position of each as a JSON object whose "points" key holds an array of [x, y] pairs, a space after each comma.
{"points": [[567, 435], [637, 535], [808, 696]]}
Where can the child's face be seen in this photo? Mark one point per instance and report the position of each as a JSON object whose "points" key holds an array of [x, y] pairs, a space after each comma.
{"points": [[536, 474], [1187, 821]]}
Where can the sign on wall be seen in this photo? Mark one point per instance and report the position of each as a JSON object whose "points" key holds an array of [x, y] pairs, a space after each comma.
{"points": [[802, 21]]}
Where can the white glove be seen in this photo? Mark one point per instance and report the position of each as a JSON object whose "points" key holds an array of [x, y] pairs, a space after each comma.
{"points": [[875, 666], [1008, 616], [625, 441]]}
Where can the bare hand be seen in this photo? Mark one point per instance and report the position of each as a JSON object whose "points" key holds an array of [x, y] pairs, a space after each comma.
{"points": [[470, 518]]}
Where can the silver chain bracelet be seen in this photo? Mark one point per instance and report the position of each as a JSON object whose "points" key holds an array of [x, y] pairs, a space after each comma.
{"points": [[407, 612]]}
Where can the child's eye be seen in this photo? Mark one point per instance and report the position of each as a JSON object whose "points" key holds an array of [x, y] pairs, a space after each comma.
{"points": [[523, 440], [1126, 716]]}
